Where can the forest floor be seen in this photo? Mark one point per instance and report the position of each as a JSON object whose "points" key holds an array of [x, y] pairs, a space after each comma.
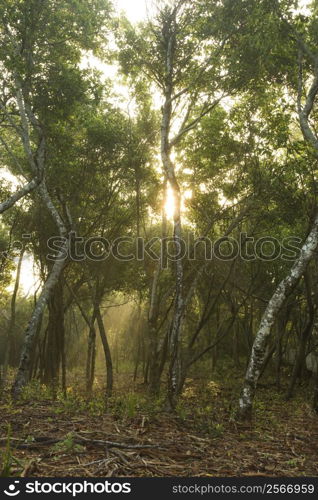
{"points": [[68, 437]]}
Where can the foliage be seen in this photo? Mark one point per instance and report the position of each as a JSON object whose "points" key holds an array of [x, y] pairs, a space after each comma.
{"points": [[214, 89]]}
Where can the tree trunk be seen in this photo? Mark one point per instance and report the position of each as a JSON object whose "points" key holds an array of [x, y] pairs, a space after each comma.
{"points": [[11, 326], [107, 353], [154, 361], [55, 340], [279, 357], [91, 361], [91, 353], [274, 306], [169, 171], [299, 267], [137, 359], [22, 376], [267, 359], [300, 359], [315, 396], [36, 354]]}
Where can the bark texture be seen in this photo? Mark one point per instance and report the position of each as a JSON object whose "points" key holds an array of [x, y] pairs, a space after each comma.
{"points": [[307, 253], [274, 306]]}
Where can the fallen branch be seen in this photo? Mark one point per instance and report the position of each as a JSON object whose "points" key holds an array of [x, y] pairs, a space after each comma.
{"points": [[20, 444], [98, 442], [39, 442]]}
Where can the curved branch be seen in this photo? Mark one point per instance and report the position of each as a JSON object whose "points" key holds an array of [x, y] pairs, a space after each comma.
{"points": [[5, 205]]}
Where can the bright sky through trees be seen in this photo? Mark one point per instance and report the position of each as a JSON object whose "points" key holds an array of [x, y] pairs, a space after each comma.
{"points": [[135, 10], [159, 165]]}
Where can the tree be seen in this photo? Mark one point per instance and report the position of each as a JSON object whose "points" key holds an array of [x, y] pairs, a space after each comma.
{"points": [[304, 110], [183, 62], [29, 56]]}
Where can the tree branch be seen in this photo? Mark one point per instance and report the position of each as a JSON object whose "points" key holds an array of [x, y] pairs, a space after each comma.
{"points": [[5, 205]]}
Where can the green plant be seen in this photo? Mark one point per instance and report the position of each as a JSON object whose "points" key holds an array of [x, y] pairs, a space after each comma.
{"points": [[35, 391], [6, 456], [181, 410], [97, 406], [128, 405], [73, 404], [8, 460], [68, 445], [218, 430]]}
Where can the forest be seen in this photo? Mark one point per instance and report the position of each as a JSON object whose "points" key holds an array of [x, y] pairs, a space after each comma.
{"points": [[158, 238]]}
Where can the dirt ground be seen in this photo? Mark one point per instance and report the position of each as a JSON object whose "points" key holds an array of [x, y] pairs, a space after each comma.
{"points": [[72, 438]]}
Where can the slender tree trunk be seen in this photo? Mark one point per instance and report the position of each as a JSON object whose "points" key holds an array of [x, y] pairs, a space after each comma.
{"points": [[267, 359], [137, 360], [92, 367], [107, 353], [54, 355], [11, 326], [299, 267], [91, 344], [116, 355], [315, 397], [91, 354], [22, 376], [300, 360], [175, 362], [214, 350], [276, 348], [36, 161], [274, 306], [153, 364], [36, 354], [42, 348], [146, 373], [169, 171], [90, 361], [278, 345], [154, 361], [278, 359], [315, 378]]}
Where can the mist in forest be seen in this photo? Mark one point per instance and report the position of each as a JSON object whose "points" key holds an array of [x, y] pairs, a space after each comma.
{"points": [[158, 238]]}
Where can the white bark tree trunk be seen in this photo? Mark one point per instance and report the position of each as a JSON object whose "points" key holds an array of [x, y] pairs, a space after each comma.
{"points": [[37, 164], [12, 321], [22, 376], [169, 172], [268, 320], [307, 253], [28, 128]]}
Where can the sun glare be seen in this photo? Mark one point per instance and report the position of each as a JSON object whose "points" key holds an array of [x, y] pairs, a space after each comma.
{"points": [[170, 204], [304, 7], [135, 10]]}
